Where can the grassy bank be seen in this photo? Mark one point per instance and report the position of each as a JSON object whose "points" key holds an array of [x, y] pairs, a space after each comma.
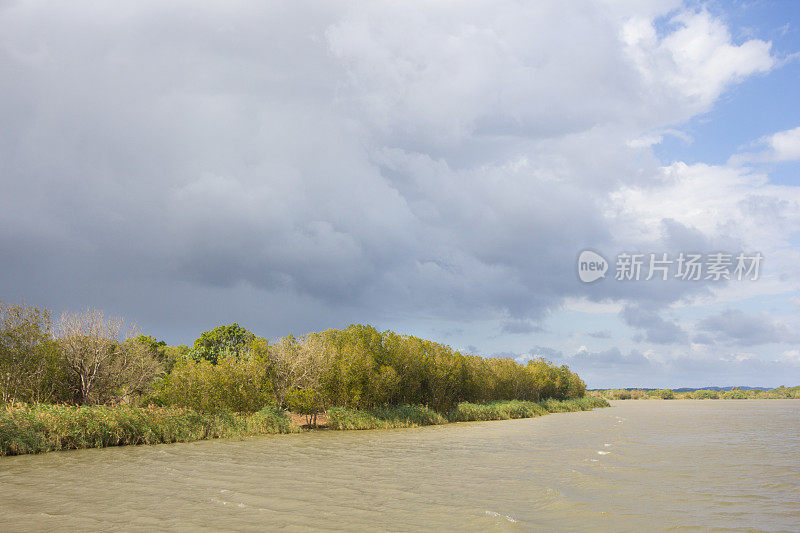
{"points": [[413, 416], [37, 428], [465, 411], [41, 428], [402, 416]]}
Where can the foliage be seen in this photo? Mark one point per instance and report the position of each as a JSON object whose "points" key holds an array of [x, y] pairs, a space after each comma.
{"points": [[221, 341], [290, 364], [735, 394], [366, 369], [307, 402], [234, 384], [30, 366], [704, 395], [39, 428], [230, 369]]}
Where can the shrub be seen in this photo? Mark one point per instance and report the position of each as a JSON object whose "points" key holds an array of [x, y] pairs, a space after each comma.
{"points": [[306, 402], [705, 395], [735, 394], [233, 384], [622, 394]]}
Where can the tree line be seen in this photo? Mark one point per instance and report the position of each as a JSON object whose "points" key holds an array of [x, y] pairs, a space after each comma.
{"points": [[90, 358], [735, 393]]}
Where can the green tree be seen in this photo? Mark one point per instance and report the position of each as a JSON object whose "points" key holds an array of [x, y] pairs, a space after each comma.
{"points": [[222, 340], [30, 367], [234, 384]]}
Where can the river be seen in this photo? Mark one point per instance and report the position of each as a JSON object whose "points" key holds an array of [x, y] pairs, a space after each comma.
{"points": [[683, 465]]}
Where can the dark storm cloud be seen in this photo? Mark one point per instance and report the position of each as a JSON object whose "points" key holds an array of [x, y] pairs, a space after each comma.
{"points": [[300, 166]]}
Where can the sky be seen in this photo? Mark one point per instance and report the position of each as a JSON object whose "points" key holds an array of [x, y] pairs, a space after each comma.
{"points": [[433, 168]]}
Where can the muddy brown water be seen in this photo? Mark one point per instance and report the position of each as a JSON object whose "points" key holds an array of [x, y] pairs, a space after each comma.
{"points": [[686, 465]]}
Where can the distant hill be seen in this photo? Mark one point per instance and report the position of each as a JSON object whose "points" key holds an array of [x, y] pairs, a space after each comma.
{"points": [[742, 387], [692, 389]]}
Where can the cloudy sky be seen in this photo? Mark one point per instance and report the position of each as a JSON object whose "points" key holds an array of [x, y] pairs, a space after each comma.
{"points": [[433, 168]]}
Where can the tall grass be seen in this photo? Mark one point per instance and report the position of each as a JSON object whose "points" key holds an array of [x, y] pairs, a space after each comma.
{"points": [[412, 416], [35, 428], [39, 428], [466, 412], [401, 416]]}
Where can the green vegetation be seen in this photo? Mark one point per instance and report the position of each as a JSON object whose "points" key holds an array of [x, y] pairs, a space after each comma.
{"points": [[37, 428], [402, 416], [466, 411], [231, 385], [778, 393], [417, 415], [308, 402], [230, 381], [41, 428], [91, 359], [221, 341]]}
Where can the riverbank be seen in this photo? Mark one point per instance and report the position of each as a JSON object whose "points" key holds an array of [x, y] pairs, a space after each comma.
{"points": [[405, 416], [41, 428], [37, 428]]}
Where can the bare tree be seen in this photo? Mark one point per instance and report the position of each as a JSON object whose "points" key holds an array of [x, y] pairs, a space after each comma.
{"points": [[104, 366]]}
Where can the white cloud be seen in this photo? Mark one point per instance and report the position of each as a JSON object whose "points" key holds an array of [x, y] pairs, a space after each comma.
{"points": [[785, 145], [693, 63], [779, 147], [732, 208]]}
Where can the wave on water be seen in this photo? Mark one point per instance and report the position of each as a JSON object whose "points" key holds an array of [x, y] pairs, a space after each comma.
{"points": [[498, 515]]}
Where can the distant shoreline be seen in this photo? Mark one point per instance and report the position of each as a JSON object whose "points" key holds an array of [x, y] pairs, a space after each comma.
{"points": [[733, 393]]}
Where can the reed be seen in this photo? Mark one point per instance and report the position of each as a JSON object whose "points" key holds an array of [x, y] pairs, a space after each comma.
{"points": [[417, 415], [402, 416], [35, 428], [468, 412]]}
